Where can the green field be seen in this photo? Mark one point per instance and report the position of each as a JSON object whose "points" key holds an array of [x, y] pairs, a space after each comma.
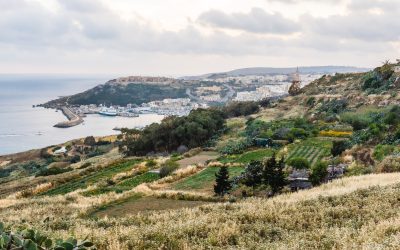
{"points": [[312, 149], [92, 178], [204, 179], [124, 185], [248, 156]]}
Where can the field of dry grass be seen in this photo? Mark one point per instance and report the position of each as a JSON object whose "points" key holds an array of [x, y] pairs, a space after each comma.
{"points": [[357, 212]]}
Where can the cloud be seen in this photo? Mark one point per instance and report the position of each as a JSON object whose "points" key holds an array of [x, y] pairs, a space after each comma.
{"points": [[87, 28], [367, 20], [257, 20]]}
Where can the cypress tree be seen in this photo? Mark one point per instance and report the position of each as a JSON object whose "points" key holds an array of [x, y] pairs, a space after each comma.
{"points": [[223, 185], [273, 174]]}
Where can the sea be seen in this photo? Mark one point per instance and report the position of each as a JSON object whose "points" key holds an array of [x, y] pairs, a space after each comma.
{"points": [[23, 127]]}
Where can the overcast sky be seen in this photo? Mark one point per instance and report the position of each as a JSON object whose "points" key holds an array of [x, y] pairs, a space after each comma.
{"points": [[182, 37]]}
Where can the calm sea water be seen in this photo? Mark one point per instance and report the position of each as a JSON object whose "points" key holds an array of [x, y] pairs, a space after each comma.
{"points": [[20, 124]]}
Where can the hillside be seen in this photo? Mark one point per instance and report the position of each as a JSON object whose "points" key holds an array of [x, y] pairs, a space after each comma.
{"points": [[271, 71], [125, 90], [316, 170], [361, 211]]}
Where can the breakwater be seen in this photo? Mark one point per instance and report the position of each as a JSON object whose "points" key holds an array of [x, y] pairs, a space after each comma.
{"points": [[73, 119]]}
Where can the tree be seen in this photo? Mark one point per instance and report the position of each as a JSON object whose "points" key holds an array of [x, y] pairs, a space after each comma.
{"points": [[299, 163], [338, 147], [90, 141], [222, 185], [253, 174], [273, 174], [318, 173]]}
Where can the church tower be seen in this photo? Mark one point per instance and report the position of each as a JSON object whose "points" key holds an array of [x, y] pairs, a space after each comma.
{"points": [[294, 89]]}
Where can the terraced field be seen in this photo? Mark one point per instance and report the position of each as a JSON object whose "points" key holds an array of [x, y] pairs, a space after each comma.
{"points": [[312, 149], [254, 155], [94, 177], [205, 179], [124, 185], [312, 154]]}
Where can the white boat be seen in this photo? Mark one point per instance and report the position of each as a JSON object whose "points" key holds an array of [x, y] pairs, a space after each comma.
{"points": [[108, 111]]}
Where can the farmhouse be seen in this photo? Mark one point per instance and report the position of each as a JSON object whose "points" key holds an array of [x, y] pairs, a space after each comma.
{"points": [[299, 179]]}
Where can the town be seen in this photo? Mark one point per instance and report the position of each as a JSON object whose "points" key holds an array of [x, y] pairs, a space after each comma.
{"points": [[211, 92]]}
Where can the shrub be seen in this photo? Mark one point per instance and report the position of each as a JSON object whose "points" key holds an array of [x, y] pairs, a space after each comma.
{"points": [[381, 151], [378, 80], [310, 101], [52, 171], [235, 146], [168, 167], [151, 163], [299, 163], [334, 106], [389, 165], [236, 109], [338, 147], [31, 239], [75, 159], [90, 141], [318, 173], [85, 165]]}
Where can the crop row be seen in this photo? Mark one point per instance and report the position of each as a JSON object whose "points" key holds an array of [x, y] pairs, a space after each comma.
{"points": [[312, 154]]}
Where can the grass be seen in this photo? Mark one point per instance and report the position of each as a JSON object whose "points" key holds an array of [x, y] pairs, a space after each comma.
{"points": [[351, 213], [313, 149], [248, 156], [124, 185], [204, 179], [138, 204], [92, 178]]}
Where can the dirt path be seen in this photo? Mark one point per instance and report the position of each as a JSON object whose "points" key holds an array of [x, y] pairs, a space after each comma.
{"points": [[200, 158]]}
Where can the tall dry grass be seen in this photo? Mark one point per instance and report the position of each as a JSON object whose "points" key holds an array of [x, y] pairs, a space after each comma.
{"points": [[360, 212]]}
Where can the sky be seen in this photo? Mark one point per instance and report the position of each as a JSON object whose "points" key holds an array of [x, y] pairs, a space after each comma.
{"points": [[190, 37]]}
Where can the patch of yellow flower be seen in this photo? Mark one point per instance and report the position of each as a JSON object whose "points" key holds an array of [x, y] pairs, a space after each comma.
{"points": [[335, 133]]}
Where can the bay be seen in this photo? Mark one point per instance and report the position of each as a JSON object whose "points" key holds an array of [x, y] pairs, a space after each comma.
{"points": [[23, 127]]}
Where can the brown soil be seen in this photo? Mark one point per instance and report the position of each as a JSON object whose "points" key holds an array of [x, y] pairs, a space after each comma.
{"points": [[146, 204], [200, 158]]}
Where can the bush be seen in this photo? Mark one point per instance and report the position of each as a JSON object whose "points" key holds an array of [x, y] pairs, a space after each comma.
{"points": [[310, 101], [318, 173], [299, 163], [338, 147], [235, 147], [390, 164], [85, 165], [381, 151], [75, 159], [378, 80], [334, 106], [151, 163], [236, 109], [31, 239], [52, 171], [168, 167], [90, 141]]}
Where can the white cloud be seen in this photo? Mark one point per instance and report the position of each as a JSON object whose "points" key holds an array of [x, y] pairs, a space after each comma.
{"points": [[69, 34]]}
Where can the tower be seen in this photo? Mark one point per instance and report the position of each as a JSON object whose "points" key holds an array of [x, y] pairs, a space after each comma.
{"points": [[295, 88]]}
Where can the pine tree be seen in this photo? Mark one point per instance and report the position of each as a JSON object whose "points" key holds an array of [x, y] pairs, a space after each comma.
{"points": [[223, 185]]}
